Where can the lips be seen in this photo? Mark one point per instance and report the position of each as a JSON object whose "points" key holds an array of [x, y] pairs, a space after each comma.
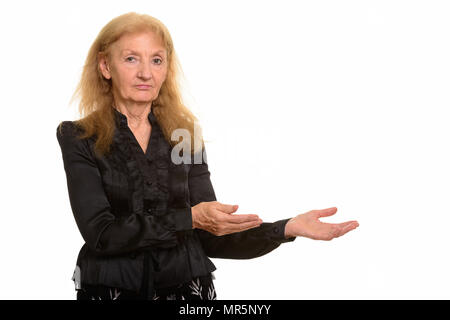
{"points": [[143, 86]]}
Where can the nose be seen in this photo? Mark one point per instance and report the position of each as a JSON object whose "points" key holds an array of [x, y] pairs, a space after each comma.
{"points": [[145, 71]]}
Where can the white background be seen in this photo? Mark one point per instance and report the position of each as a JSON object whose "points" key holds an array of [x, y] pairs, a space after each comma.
{"points": [[305, 104]]}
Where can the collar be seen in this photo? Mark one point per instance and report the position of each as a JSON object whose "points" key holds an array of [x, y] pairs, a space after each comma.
{"points": [[123, 122]]}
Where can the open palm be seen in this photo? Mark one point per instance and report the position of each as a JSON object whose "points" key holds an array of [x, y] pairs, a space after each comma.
{"points": [[308, 225]]}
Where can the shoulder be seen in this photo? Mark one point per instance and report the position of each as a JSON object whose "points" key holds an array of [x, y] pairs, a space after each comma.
{"points": [[74, 148], [68, 135], [67, 129]]}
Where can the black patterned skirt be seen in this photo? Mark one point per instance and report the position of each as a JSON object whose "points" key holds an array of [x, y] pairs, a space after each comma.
{"points": [[199, 288]]}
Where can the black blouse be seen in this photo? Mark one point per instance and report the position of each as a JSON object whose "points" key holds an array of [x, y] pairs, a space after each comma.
{"points": [[133, 209]]}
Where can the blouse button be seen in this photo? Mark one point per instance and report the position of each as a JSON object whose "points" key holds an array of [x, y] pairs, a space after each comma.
{"points": [[149, 211], [149, 183], [275, 230]]}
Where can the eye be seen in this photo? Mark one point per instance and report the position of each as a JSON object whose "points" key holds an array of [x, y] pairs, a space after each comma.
{"points": [[158, 59], [128, 59]]}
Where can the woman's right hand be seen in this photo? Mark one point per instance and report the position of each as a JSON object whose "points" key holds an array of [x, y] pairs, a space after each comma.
{"points": [[218, 219]]}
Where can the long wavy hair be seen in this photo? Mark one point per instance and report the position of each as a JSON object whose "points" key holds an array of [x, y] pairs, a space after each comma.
{"points": [[95, 92]]}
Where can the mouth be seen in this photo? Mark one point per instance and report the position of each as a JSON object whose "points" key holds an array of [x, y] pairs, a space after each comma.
{"points": [[143, 86]]}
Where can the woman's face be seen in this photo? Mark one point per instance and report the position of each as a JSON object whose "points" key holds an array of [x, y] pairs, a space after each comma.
{"points": [[137, 67]]}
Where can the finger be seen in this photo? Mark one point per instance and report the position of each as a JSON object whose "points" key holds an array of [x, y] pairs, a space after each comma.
{"points": [[337, 228], [348, 228], [345, 224], [325, 212], [233, 227], [227, 208], [240, 218]]}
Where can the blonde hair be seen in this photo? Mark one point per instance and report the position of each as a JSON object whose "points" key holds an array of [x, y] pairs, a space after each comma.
{"points": [[95, 91]]}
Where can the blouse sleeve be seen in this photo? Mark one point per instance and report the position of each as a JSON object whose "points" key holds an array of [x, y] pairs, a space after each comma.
{"points": [[102, 231], [246, 244]]}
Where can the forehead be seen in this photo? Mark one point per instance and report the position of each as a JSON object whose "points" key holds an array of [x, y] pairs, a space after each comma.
{"points": [[140, 42]]}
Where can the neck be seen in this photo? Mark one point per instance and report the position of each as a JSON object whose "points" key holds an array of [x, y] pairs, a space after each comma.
{"points": [[137, 113]]}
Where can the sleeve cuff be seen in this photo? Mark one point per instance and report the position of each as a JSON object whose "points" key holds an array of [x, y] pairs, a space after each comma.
{"points": [[181, 219], [277, 231]]}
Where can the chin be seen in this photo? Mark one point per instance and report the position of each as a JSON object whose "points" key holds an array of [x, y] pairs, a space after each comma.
{"points": [[143, 98]]}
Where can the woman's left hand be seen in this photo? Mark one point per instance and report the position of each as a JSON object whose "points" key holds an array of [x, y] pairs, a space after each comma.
{"points": [[308, 225]]}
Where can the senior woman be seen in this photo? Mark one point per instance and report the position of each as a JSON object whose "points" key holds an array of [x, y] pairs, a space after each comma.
{"points": [[150, 223]]}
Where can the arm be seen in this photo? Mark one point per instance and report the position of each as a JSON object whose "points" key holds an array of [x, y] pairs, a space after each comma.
{"points": [[246, 244], [103, 232]]}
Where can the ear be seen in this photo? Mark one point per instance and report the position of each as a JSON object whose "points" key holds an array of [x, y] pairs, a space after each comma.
{"points": [[104, 65]]}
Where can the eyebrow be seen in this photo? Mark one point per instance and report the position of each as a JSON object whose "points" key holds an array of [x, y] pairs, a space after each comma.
{"points": [[137, 53]]}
